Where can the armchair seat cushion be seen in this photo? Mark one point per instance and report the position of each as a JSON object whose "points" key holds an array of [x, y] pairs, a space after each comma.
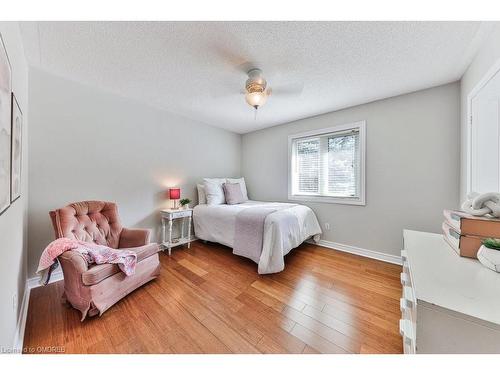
{"points": [[98, 272]]}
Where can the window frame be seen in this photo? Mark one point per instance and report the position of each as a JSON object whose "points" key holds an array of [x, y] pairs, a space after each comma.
{"points": [[360, 200]]}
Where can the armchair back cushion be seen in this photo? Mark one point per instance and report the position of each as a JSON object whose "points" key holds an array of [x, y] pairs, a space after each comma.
{"points": [[89, 221]]}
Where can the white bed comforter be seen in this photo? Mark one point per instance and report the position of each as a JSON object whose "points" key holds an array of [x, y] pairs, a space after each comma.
{"points": [[216, 224]]}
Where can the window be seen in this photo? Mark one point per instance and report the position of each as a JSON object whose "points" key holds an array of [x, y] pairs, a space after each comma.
{"points": [[327, 165]]}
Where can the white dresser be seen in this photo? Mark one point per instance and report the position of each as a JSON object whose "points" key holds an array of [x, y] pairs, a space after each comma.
{"points": [[450, 304]]}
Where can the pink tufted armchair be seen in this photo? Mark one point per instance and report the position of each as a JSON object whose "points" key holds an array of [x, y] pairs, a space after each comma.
{"points": [[93, 289]]}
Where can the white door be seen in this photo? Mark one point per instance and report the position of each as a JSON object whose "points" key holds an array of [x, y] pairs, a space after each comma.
{"points": [[485, 141]]}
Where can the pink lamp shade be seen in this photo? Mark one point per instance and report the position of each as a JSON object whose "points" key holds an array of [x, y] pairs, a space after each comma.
{"points": [[174, 193]]}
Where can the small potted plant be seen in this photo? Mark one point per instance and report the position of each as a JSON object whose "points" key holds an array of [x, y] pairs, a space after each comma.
{"points": [[489, 254], [492, 243], [185, 203]]}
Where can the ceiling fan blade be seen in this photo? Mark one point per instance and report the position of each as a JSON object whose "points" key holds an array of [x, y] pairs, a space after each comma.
{"points": [[227, 93], [292, 89], [246, 66], [235, 60]]}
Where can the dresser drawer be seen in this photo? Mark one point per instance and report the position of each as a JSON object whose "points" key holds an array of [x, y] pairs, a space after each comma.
{"points": [[404, 259], [407, 283], [408, 307], [405, 279], [406, 330], [407, 301]]}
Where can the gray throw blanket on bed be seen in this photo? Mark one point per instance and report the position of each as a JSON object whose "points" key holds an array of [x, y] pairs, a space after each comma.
{"points": [[249, 231]]}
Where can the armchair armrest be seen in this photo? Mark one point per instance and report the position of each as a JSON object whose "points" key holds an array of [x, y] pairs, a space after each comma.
{"points": [[74, 261], [134, 237]]}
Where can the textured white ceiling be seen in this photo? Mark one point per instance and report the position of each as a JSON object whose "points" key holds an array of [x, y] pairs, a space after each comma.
{"points": [[191, 68]]}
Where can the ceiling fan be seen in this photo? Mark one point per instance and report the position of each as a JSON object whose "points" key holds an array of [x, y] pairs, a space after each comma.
{"points": [[257, 90]]}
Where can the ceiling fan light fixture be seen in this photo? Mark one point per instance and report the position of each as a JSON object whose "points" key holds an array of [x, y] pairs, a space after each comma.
{"points": [[256, 98]]}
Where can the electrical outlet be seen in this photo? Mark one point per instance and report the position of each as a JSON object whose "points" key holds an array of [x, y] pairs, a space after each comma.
{"points": [[327, 226], [14, 302]]}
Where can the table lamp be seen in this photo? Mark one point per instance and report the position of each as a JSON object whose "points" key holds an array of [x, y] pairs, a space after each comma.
{"points": [[174, 195]]}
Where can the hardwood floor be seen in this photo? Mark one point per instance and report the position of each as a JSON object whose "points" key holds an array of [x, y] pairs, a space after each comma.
{"points": [[208, 300]]}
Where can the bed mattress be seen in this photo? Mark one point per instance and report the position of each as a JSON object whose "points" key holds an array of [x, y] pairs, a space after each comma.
{"points": [[217, 224]]}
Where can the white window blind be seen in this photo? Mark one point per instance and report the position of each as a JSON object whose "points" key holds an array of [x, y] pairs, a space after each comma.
{"points": [[308, 165], [343, 165], [327, 164]]}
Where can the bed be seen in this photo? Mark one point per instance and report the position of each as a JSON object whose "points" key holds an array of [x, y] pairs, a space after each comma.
{"points": [[285, 227]]}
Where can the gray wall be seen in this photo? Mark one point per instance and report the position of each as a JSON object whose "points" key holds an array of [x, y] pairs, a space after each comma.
{"points": [[13, 222], [412, 169], [486, 57], [89, 144]]}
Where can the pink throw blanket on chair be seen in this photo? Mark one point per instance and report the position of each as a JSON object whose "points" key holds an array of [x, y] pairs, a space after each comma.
{"points": [[93, 253]]}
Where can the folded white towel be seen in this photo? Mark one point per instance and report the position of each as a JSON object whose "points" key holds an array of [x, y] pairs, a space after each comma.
{"points": [[482, 204]]}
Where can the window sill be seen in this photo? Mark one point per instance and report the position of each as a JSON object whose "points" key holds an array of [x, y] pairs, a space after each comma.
{"points": [[359, 201]]}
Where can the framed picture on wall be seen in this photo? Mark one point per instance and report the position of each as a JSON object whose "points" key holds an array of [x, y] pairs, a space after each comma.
{"points": [[5, 127], [17, 150]]}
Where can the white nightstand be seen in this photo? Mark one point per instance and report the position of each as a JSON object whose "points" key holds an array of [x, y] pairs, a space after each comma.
{"points": [[168, 216]]}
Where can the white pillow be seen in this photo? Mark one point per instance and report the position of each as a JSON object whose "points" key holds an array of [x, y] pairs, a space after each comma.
{"points": [[214, 191], [243, 186], [202, 198]]}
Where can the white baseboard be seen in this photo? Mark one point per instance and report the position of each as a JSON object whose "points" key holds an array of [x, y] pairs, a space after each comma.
{"points": [[34, 282], [394, 259], [31, 283]]}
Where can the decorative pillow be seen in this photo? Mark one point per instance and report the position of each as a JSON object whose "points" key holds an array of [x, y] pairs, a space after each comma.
{"points": [[202, 198], [243, 186], [214, 191], [233, 193]]}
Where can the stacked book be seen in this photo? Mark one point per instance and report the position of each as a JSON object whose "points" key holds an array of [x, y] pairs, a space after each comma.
{"points": [[465, 233]]}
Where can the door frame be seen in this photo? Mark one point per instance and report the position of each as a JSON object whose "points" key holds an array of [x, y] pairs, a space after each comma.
{"points": [[495, 68]]}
